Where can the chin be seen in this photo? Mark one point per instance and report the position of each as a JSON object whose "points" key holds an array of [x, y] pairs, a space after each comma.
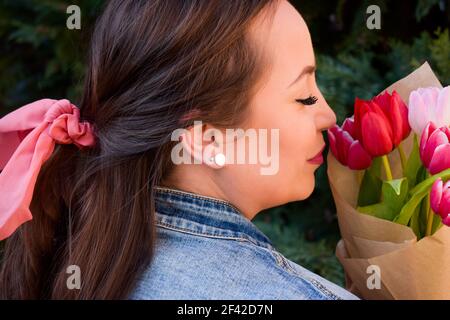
{"points": [[305, 187]]}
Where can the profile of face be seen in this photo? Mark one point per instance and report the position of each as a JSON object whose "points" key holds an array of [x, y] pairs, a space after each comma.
{"points": [[287, 99]]}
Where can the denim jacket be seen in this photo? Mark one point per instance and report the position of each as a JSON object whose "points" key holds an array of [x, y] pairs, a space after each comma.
{"points": [[206, 249]]}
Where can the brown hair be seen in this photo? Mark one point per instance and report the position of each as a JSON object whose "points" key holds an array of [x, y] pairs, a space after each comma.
{"points": [[151, 63]]}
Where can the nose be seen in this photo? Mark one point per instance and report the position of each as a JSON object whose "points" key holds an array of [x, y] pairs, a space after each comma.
{"points": [[325, 117]]}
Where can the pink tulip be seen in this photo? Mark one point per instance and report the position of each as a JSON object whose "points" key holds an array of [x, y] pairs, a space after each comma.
{"points": [[346, 148], [435, 148], [429, 104], [440, 200]]}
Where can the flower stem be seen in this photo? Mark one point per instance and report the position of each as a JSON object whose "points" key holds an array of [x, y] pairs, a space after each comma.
{"points": [[430, 214], [387, 167], [402, 156], [430, 217]]}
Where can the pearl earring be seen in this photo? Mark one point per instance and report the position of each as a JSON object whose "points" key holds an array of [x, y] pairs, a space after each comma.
{"points": [[218, 159]]}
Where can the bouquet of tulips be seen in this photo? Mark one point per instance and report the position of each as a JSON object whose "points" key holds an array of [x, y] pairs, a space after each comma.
{"points": [[388, 170]]}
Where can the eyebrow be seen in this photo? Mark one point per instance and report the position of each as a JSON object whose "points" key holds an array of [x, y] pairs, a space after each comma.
{"points": [[310, 69]]}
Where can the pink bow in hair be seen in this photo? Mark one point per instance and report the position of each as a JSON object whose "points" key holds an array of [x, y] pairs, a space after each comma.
{"points": [[27, 139]]}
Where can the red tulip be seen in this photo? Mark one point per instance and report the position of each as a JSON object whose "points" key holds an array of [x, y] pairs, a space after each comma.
{"points": [[440, 200], [382, 123], [435, 148], [397, 113], [346, 149], [374, 130]]}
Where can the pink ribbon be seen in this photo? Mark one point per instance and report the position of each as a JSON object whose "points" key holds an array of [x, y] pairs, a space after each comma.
{"points": [[27, 139]]}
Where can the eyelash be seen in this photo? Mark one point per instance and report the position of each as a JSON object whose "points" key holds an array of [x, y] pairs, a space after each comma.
{"points": [[308, 101]]}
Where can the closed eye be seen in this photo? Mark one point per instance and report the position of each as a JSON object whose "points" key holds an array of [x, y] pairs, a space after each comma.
{"points": [[308, 101]]}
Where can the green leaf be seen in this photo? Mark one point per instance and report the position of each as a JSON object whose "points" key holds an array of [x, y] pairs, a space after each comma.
{"points": [[423, 219], [370, 188], [417, 194], [408, 210], [419, 219], [413, 165], [394, 194], [415, 222], [427, 183], [394, 187], [379, 210], [437, 223]]}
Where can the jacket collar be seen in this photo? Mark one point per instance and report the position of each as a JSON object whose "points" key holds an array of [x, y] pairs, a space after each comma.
{"points": [[198, 214]]}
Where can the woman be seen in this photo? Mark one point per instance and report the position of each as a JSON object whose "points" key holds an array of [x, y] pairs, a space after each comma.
{"points": [[112, 200]]}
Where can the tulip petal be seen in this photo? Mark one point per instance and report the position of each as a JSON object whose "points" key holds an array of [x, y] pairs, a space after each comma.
{"points": [[332, 140], [437, 138], [445, 130], [349, 126], [393, 112], [403, 110], [441, 159], [376, 134], [340, 142], [425, 135], [361, 107], [384, 101], [442, 109], [418, 113], [446, 220], [429, 95], [436, 195], [427, 147], [358, 158], [444, 206], [344, 141]]}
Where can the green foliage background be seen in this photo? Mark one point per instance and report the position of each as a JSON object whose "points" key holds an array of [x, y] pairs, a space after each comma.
{"points": [[40, 58]]}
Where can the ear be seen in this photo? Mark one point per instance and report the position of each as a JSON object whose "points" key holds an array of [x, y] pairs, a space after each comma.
{"points": [[204, 143]]}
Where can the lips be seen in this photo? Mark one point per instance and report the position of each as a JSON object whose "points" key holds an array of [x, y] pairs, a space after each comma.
{"points": [[318, 158]]}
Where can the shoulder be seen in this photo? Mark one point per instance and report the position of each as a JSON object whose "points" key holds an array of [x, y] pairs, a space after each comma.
{"points": [[191, 266]]}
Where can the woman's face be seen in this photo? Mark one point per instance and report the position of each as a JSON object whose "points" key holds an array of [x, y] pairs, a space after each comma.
{"points": [[288, 100], [289, 107]]}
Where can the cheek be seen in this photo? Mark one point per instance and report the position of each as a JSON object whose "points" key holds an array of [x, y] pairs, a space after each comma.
{"points": [[294, 177], [297, 143]]}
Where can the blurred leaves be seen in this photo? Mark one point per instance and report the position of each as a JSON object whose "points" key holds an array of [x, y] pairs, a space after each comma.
{"points": [[40, 57], [340, 80], [424, 7], [434, 48]]}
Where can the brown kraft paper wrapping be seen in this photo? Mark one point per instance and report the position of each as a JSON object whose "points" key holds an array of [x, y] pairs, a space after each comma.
{"points": [[409, 269]]}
